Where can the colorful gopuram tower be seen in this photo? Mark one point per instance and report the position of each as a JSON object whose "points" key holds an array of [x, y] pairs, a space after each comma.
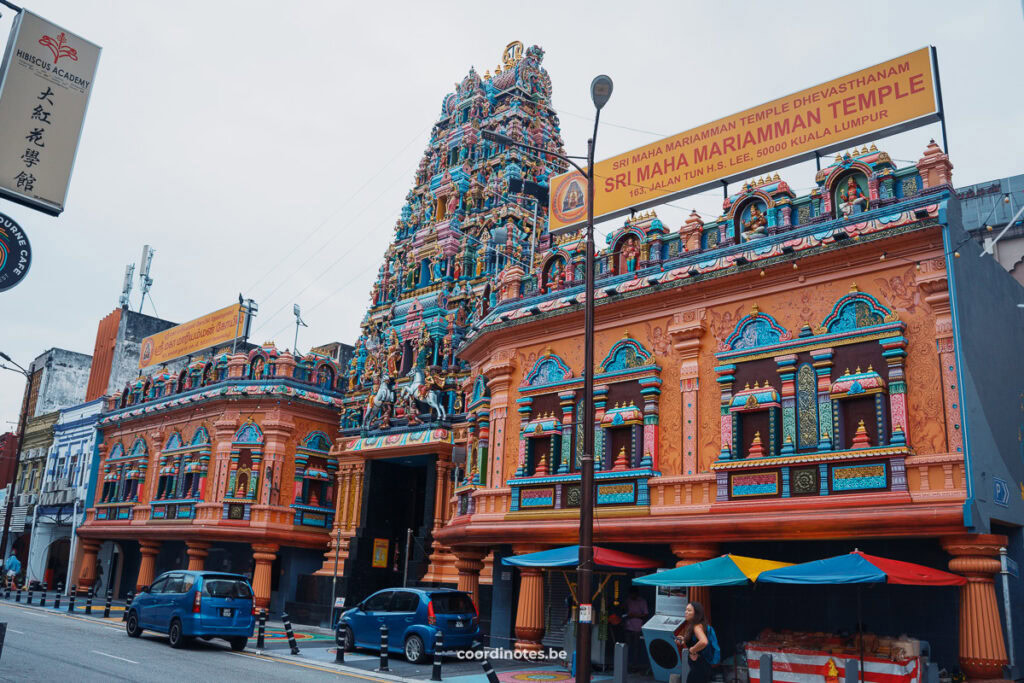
{"points": [[468, 236]]}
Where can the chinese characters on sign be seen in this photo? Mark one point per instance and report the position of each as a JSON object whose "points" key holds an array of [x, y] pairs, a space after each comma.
{"points": [[45, 84]]}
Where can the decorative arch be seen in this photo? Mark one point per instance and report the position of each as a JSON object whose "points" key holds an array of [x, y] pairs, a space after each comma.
{"points": [[139, 448], [625, 354], [756, 329], [479, 388], [250, 433], [173, 442], [317, 441], [200, 437], [117, 451], [548, 369], [854, 310]]}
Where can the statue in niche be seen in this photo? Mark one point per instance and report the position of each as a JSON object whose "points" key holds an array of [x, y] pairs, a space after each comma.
{"points": [[756, 226], [631, 253], [852, 199]]}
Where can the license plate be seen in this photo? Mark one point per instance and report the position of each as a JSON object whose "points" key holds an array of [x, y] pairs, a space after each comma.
{"points": [[226, 611], [459, 624]]}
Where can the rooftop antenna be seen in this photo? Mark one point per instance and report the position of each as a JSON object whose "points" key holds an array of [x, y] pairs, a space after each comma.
{"points": [[126, 288], [144, 279], [298, 322]]}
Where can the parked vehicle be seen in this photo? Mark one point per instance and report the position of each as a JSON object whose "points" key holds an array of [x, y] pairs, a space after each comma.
{"points": [[413, 617], [188, 604]]}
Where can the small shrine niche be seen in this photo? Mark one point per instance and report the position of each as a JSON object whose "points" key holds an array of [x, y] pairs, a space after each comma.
{"points": [[755, 412], [850, 194], [751, 222], [859, 409]]}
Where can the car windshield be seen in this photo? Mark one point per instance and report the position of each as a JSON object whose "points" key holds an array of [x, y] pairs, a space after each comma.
{"points": [[452, 603], [226, 588]]}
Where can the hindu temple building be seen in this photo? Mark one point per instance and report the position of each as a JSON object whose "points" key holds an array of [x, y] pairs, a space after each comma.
{"points": [[799, 377], [462, 239]]}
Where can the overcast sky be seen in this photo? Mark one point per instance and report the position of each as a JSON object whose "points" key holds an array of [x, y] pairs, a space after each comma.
{"points": [[267, 147]]}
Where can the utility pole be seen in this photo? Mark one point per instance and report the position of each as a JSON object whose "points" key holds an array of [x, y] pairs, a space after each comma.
{"points": [[21, 438]]}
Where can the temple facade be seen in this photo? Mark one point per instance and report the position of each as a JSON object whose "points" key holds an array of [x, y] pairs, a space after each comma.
{"points": [[224, 465], [798, 377]]}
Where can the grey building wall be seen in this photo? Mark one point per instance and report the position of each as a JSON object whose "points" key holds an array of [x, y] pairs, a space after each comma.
{"points": [[133, 329], [989, 336], [985, 204], [64, 377]]}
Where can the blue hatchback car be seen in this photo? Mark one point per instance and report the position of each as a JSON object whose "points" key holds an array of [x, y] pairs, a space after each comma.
{"points": [[413, 617], [188, 604]]}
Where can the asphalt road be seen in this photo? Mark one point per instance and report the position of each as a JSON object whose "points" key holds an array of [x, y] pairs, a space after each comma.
{"points": [[45, 646]]}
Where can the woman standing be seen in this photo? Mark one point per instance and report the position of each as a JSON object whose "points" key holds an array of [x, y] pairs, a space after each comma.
{"points": [[693, 641]]}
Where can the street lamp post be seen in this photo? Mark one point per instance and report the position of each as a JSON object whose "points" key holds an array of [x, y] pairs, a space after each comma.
{"points": [[17, 455], [600, 92]]}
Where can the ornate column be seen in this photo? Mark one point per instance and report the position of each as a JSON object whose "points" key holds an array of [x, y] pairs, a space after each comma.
{"points": [[530, 610], [224, 430], [650, 389], [565, 401], [725, 381], [828, 439], [197, 552], [498, 369], [524, 406], [147, 567], [692, 553], [469, 562], [932, 282], [87, 573], [264, 554], [600, 448], [346, 512], [685, 331], [787, 374], [277, 432], [982, 650]]}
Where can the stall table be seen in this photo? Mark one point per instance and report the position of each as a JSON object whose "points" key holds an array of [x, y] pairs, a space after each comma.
{"points": [[795, 665]]}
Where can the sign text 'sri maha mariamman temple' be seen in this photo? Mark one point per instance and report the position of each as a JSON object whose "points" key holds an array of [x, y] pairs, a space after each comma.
{"points": [[799, 377]]}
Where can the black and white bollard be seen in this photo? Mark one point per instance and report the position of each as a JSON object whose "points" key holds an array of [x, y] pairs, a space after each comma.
{"points": [[435, 671], [42, 598], [492, 677], [291, 634], [261, 634], [127, 603], [17, 595], [341, 640], [30, 591], [383, 648], [88, 601], [106, 607], [71, 599], [56, 596]]}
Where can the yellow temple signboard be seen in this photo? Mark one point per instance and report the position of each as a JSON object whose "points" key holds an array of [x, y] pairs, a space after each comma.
{"points": [[202, 333], [887, 98]]}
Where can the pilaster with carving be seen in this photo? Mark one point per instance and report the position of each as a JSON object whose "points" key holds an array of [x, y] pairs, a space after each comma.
{"points": [[685, 331]]}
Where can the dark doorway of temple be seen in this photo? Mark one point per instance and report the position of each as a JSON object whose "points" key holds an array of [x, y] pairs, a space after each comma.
{"points": [[57, 562], [398, 495]]}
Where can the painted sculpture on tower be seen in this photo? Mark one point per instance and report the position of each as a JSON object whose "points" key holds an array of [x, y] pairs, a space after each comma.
{"points": [[459, 230]]}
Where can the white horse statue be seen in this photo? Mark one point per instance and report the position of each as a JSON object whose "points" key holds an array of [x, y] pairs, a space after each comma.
{"points": [[385, 395], [417, 391]]}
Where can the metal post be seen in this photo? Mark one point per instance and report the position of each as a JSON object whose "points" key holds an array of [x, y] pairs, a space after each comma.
{"points": [[17, 456], [261, 634], [71, 599], [88, 600], [127, 603], [585, 571], [341, 640], [435, 670], [42, 597], [1005, 571], [405, 570], [383, 648], [334, 579], [766, 672], [492, 677], [106, 607], [17, 595], [290, 633], [30, 592], [74, 536], [56, 598], [619, 670]]}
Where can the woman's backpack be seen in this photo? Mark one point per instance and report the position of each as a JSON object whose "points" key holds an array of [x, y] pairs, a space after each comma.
{"points": [[713, 652]]}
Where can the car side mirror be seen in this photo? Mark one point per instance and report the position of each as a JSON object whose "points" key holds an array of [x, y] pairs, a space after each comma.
{"points": [[361, 607], [144, 589]]}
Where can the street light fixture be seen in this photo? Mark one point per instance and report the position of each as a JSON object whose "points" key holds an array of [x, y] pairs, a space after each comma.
{"points": [[600, 93], [17, 453]]}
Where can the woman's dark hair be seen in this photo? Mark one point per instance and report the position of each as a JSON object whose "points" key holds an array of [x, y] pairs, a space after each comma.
{"points": [[698, 618]]}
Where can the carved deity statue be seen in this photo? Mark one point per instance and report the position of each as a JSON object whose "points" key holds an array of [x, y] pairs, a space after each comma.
{"points": [[852, 200], [632, 253], [756, 226]]}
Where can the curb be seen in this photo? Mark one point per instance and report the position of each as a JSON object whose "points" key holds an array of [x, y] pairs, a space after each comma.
{"points": [[340, 668]]}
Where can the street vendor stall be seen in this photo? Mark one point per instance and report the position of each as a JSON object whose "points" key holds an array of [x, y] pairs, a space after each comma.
{"points": [[807, 658], [564, 561]]}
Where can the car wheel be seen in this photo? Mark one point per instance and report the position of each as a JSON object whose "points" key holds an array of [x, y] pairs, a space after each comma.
{"points": [[238, 643], [414, 650], [350, 640], [132, 625], [175, 636]]}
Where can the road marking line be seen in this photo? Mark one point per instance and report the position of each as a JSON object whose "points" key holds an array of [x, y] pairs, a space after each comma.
{"points": [[16, 631], [130, 661], [310, 666]]}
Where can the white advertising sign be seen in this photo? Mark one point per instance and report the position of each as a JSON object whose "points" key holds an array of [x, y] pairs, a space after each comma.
{"points": [[45, 82]]}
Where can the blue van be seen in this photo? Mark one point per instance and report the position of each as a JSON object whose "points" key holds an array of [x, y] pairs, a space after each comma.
{"points": [[187, 604], [413, 617]]}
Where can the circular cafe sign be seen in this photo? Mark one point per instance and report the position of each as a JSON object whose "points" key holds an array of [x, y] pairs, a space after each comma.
{"points": [[15, 253]]}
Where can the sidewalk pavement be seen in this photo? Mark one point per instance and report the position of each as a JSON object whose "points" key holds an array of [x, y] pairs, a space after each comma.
{"points": [[316, 646]]}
